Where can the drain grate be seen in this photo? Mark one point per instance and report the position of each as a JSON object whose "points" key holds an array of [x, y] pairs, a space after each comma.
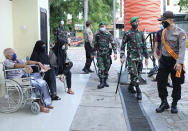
{"points": [[136, 119]]}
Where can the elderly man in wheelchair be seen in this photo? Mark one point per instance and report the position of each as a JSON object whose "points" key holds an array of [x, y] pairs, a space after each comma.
{"points": [[19, 69]]}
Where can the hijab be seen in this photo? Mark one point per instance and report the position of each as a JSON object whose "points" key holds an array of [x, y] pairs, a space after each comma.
{"points": [[39, 53], [60, 52]]}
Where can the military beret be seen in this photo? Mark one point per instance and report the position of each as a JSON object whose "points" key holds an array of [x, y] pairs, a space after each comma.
{"points": [[102, 23], [133, 19]]}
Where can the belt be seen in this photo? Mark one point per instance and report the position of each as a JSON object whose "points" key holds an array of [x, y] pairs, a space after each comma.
{"points": [[168, 59]]}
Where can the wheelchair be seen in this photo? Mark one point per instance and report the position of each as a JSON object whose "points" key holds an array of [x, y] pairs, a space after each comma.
{"points": [[18, 92]]}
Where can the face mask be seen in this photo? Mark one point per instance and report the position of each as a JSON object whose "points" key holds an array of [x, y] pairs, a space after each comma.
{"points": [[135, 26], [43, 47], [62, 22], [165, 24], [161, 26], [63, 47], [14, 57], [102, 29]]}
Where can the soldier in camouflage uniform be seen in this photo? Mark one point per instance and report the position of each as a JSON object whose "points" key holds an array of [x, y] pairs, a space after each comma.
{"points": [[136, 49], [103, 44], [60, 33]]}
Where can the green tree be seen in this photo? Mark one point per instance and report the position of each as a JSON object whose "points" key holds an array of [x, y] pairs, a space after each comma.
{"points": [[184, 6], [59, 9], [99, 10]]}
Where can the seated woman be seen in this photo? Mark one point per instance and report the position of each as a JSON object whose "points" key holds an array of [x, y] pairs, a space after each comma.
{"points": [[39, 84], [60, 62], [39, 54]]}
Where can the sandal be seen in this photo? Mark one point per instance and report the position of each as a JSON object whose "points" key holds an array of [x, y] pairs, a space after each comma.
{"points": [[55, 98], [70, 92], [44, 109]]}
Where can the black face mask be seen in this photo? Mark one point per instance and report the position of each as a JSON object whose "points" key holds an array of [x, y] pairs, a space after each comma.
{"points": [[43, 47], [165, 24]]}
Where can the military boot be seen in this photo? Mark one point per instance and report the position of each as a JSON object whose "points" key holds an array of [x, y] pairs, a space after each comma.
{"points": [[131, 89], [101, 85], [105, 83], [139, 93], [85, 70], [174, 108], [91, 71], [164, 105]]}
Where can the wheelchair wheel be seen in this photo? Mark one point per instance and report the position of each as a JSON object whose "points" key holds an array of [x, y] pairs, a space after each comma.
{"points": [[12, 97], [35, 108]]}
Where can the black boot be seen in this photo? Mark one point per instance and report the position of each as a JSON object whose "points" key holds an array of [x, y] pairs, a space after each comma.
{"points": [[90, 70], [131, 89], [105, 83], [139, 93], [164, 105], [169, 84], [174, 108], [101, 85], [85, 70]]}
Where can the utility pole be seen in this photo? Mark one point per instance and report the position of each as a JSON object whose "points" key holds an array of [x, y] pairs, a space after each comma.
{"points": [[85, 10], [114, 16]]}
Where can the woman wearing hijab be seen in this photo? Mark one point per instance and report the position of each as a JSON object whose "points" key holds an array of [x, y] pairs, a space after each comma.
{"points": [[39, 54], [61, 64]]}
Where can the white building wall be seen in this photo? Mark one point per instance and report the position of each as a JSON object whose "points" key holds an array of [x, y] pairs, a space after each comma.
{"points": [[6, 26], [25, 26], [26, 21]]}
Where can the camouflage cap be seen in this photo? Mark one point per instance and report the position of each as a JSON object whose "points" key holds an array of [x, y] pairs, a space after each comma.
{"points": [[102, 23], [133, 19]]}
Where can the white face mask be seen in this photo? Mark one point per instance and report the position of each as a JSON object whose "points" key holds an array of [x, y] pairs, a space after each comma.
{"points": [[62, 22], [63, 47], [102, 29]]}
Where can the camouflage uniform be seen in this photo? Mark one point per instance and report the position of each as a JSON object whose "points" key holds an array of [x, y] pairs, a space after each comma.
{"points": [[104, 50], [136, 49], [60, 33]]}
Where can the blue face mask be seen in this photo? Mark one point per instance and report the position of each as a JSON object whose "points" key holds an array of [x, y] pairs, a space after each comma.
{"points": [[14, 57], [102, 29]]}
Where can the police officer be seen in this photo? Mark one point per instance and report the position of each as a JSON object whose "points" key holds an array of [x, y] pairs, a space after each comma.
{"points": [[103, 44], [88, 36], [157, 48], [136, 49], [60, 33], [171, 61]]}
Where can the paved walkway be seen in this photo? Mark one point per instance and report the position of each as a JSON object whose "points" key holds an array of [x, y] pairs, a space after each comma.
{"points": [[99, 110]]}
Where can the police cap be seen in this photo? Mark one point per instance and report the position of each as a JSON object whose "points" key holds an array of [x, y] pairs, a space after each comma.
{"points": [[167, 15]]}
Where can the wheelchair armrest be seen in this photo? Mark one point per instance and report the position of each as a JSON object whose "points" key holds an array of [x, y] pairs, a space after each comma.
{"points": [[36, 68], [6, 70]]}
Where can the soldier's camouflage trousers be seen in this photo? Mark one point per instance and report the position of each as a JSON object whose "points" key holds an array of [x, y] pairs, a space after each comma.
{"points": [[103, 63], [135, 69]]}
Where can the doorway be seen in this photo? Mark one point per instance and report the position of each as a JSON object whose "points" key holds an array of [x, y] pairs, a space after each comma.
{"points": [[43, 26]]}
